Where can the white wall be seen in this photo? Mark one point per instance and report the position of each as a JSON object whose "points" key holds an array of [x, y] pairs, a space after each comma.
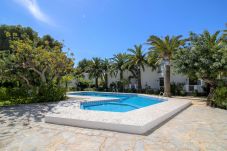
{"points": [[150, 78]]}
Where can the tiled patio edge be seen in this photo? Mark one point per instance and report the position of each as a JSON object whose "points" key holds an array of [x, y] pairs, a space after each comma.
{"points": [[136, 127]]}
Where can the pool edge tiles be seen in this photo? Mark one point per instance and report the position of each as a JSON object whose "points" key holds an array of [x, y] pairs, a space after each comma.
{"points": [[136, 121]]}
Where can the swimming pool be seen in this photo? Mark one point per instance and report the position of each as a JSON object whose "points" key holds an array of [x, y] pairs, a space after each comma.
{"points": [[124, 102]]}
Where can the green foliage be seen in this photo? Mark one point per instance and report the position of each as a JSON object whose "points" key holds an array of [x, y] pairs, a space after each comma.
{"points": [[95, 69], [205, 57], [164, 49], [220, 97], [3, 93], [89, 89], [15, 95], [178, 89], [49, 93], [83, 83], [9, 33], [28, 62], [118, 64], [22, 95], [31, 59], [83, 66], [136, 61]]}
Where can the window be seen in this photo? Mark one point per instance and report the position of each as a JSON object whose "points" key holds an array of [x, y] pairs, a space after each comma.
{"points": [[192, 82], [199, 82], [161, 82]]}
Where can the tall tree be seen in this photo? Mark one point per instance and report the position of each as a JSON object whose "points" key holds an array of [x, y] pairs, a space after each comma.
{"points": [[118, 66], [106, 70], [165, 48], [137, 61], [95, 70], [205, 57], [49, 65], [9, 33], [83, 66]]}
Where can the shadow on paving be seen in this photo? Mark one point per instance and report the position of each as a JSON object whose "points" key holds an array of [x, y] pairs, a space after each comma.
{"points": [[26, 113]]}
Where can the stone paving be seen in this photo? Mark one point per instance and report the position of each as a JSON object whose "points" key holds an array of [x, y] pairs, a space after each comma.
{"points": [[198, 128]]}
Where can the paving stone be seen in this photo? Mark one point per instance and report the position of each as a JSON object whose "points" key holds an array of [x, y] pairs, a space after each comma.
{"points": [[197, 128]]}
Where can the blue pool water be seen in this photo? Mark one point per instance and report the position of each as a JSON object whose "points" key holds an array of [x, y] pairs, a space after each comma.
{"points": [[126, 102]]}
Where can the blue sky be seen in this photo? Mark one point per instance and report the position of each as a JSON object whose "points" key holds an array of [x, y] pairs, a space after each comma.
{"points": [[102, 28]]}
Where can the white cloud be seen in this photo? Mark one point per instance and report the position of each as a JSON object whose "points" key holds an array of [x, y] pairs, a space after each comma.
{"points": [[34, 9]]}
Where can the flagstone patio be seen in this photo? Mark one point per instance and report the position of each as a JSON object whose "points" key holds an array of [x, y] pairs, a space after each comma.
{"points": [[197, 128]]}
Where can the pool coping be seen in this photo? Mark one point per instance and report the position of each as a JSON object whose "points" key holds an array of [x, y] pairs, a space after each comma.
{"points": [[136, 121]]}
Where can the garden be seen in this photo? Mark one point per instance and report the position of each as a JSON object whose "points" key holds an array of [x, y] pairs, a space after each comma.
{"points": [[38, 69]]}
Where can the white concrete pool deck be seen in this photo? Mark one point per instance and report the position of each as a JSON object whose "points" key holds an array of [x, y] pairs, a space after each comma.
{"points": [[138, 121]]}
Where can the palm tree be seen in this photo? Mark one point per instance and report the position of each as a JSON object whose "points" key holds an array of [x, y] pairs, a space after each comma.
{"points": [[137, 61], [165, 48], [106, 68], [95, 70], [118, 65], [83, 67]]}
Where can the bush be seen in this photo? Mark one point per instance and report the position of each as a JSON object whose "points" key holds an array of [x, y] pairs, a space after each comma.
{"points": [[83, 83], [13, 96], [220, 97], [177, 88], [89, 89], [150, 91], [22, 95], [18, 92], [3, 93], [49, 93]]}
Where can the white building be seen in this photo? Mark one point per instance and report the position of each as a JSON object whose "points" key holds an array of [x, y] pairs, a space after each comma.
{"points": [[154, 80]]}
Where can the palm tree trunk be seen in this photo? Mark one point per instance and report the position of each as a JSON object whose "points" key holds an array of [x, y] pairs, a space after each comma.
{"points": [[122, 83], [139, 81], [121, 75], [96, 83], [212, 86], [167, 92], [106, 80]]}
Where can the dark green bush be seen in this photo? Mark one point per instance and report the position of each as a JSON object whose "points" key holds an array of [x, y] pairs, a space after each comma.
{"points": [[83, 83], [13, 96], [220, 97], [49, 93], [3, 93], [89, 89], [18, 92], [149, 91], [20, 95], [177, 89]]}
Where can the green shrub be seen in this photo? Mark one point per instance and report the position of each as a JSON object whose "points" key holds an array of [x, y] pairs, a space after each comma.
{"points": [[177, 88], [83, 83], [89, 89], [49, 93], [220, 97], [14, 96], [3, 93], [149, 91], [18, 92]]}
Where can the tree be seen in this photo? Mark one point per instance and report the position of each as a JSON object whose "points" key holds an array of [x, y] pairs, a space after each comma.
{"points": [[136, 62], [165, 48], [95, 70], [205, 57], [46, 63], [106, 69], [83, 65], [118, 66], [9, 33]]}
